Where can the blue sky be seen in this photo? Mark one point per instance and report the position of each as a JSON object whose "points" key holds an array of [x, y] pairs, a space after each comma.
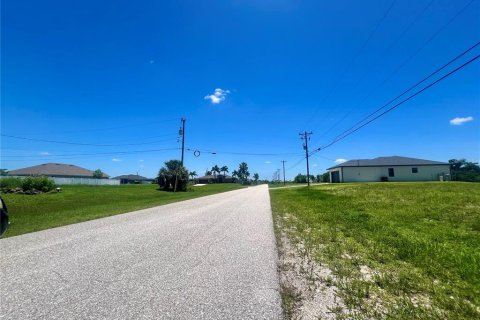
{"points": [[123, 73]]}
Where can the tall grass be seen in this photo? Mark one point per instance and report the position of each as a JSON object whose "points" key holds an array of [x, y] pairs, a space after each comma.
{"points": [[421, 240]]}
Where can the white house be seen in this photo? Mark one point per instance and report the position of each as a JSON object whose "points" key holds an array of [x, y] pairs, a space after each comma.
{"points": [[389, 169]]}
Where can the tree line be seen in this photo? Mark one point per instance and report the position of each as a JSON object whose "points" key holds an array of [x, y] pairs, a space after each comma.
{"points": [[173, 176]]}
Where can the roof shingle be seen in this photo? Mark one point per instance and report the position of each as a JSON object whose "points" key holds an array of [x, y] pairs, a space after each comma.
{"points": [[387, 161], [54, 169]]}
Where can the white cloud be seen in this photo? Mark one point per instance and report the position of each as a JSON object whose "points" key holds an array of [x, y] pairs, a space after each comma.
{"points": [[44, 153], [338, 161], [458, 121], [141, 160], [116, 160], [151, 61], [217, 96], [142, 166], [314, 164], [268, 162]]}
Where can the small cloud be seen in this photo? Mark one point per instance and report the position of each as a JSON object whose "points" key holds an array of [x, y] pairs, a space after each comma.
{"points": [[44, 153], [268, 162], [142, 166], [314, 164], [140, 160], [217, 96], [116, 160], [338, 161], [151, 61], [459, 121]]}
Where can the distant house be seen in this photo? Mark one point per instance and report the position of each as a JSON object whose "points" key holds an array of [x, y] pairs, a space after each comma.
{"points": [[389, 169], [220, 178], [133, 178], [55, 170]]}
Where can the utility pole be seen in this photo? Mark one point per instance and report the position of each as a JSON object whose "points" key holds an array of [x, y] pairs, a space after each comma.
{"points": [[283, 162], [182, 133], [305, 136]]}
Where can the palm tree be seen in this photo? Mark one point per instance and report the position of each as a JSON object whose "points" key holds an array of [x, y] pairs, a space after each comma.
{"points": [[193, 174], [173, 174], [256, 177], [208, 173], [235, 174], [215, 170], [224, 169], [243, 172]]}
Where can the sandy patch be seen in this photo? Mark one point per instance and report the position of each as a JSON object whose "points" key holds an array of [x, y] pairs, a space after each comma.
{"points": [[312, 284]]}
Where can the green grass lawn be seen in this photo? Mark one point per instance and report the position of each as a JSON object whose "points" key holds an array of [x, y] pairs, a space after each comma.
{"points": [[419, 241], [29, 213]]}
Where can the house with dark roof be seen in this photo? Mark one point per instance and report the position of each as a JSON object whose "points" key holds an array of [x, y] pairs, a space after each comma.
{"points": [[219, 178], [133, 178], [389, 169], [55, 170]]}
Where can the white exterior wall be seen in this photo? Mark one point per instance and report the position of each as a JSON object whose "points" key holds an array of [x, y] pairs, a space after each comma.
{"points": [[86, 181], [402, 173], [76, 181]]}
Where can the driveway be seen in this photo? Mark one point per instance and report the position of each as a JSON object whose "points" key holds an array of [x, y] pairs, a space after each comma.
{"points": [[208, 258]]}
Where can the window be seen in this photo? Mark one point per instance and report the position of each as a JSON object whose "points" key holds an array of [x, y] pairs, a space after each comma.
{"points": [[414, 170], [391, 172]]}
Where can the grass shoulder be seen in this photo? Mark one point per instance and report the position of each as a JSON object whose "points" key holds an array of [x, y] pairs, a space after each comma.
{"points": [[397, 250], [29, 213]]}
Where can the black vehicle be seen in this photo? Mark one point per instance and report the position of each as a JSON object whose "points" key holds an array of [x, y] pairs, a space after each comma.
{"points": [[3, 217]]}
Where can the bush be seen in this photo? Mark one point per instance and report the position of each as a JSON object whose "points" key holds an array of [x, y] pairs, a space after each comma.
{"points": [[173, 176], [10, 183], [43, 184]]}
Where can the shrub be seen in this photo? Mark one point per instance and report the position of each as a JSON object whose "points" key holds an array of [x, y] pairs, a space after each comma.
{"points": [[43, 184], [173, 176], [10, 183]]}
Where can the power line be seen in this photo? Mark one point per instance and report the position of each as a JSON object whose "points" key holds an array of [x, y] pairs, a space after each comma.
{"points": [[112, 128], [354, 58], [405, 62], [415, 85], [383, 55], [347, 132], [93, 153], [82, 143], [296, 163], [241, 153]]}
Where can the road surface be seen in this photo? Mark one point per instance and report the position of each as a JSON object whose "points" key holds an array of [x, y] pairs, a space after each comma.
{"points": [[208, 258]]}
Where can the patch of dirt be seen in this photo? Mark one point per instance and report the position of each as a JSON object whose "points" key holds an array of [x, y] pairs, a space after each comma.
{"points": [[309, 285]]}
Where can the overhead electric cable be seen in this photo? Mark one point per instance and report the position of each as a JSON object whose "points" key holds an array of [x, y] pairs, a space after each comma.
{"points": [[89, 154], [415, 85], [349, 65], [348, 132], [405, 62], [82, 143], [242, 153], [111, 128]]}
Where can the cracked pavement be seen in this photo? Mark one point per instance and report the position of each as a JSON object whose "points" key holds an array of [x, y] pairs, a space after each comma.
{"points": [[209, 258]]}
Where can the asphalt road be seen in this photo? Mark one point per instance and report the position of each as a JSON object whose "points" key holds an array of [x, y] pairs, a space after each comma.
{"points": [[208, 258]]}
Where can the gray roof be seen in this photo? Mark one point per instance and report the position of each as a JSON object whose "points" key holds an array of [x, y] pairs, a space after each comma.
{"points": [[54, 169], [213, 177], [133, 177], [388, 161]]}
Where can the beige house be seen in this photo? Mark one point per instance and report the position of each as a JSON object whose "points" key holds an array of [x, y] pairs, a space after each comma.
{"points": [[389, 169]]}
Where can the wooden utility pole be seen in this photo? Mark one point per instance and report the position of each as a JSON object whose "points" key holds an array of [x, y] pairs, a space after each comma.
{"points": [[182, 132], [283, 162], [305, 136]]}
